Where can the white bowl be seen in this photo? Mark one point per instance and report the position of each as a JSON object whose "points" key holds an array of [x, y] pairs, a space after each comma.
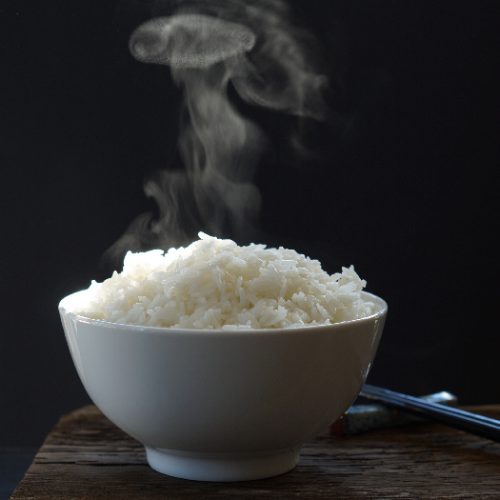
{"points": [[219, 405]]}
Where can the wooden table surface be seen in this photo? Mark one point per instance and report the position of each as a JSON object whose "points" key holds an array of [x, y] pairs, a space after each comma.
{"points": [[87, 457]]}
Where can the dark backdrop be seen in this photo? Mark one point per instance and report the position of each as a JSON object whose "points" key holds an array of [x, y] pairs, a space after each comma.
{"points": [[403, 184]]}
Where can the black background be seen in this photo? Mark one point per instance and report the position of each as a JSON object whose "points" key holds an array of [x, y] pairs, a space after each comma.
{"points": [[403, 184]]}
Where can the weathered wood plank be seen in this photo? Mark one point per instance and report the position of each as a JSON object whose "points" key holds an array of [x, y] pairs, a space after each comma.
{"points": [[87, 457]]}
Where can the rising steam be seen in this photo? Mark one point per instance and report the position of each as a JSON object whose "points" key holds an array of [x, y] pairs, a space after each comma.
{"points": [[254, 47]]}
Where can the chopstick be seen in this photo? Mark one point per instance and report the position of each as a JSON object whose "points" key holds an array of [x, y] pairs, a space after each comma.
{"points": [[460, 419]]}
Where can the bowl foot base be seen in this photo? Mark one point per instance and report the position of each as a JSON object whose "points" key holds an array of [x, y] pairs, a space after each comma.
{"points": [[221, 466]]}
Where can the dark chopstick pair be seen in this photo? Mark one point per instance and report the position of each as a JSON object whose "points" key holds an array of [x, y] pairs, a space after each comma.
{"points": [[460, 419]]}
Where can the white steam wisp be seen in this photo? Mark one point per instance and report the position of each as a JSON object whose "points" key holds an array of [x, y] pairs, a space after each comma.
{"points": [[208, 46]]}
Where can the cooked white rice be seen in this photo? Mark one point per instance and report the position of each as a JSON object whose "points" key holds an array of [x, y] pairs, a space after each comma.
{"points": [[216, 284]]}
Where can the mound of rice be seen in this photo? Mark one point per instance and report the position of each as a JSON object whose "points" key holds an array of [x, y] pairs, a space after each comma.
{"points": [[216, 284]]}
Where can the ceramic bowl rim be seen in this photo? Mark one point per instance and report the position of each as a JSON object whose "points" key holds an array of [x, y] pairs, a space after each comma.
{"points": [[380, 312]]}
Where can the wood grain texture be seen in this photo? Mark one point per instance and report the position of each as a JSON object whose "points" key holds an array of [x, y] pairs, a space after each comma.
{"points": [[87, 457]]}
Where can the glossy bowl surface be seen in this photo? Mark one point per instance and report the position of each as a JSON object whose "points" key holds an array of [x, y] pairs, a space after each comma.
{"points": [[222, 405]]}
